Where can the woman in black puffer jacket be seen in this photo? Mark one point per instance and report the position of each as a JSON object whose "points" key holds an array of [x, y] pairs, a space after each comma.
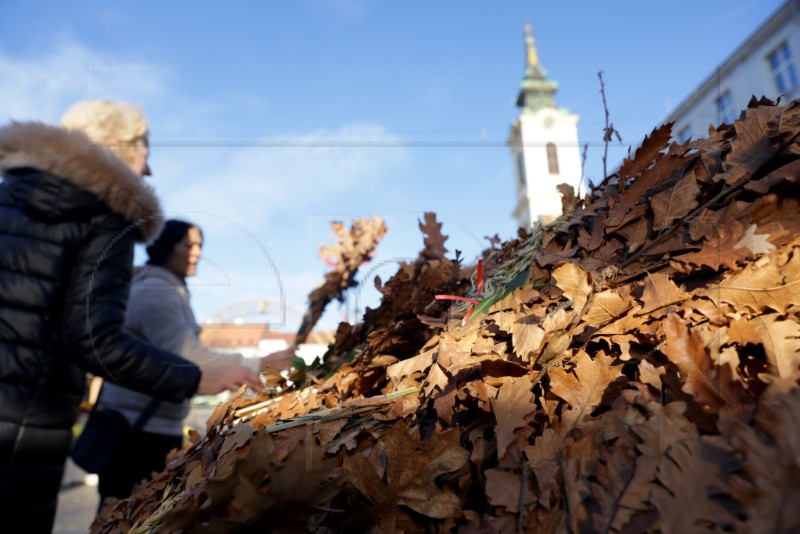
{"points": [[70, 213]]}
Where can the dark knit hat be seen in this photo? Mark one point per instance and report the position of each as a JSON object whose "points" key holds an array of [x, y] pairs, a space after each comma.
{"points": [[173, 233]]}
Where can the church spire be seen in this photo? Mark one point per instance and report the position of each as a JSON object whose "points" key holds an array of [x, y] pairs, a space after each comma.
{"points": [[536, 91], [530, 48]]}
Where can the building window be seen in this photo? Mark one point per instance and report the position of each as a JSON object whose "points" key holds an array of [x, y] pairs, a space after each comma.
{"points": [[685, 134], [725, 112], [552, 158], [521, 170], [780, 61]]}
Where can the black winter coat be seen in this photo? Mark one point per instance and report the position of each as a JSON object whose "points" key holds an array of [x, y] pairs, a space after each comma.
{"points": [[70, 212]]}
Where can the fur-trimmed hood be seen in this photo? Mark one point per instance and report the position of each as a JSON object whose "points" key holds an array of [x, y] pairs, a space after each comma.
{"points": [[72, 156]]}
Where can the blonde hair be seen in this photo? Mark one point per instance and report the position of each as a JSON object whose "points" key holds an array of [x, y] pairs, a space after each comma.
{"points": [[118, 125]]}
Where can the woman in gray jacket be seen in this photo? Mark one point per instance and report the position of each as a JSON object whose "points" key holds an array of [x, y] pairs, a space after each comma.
{"points": [[160, 312]]}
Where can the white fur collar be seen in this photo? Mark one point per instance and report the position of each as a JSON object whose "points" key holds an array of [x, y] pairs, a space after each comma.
{"points": [[71, 155]]}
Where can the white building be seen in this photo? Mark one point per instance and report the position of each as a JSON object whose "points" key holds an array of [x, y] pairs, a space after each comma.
{"points": [[764, 65], [544, 144]]}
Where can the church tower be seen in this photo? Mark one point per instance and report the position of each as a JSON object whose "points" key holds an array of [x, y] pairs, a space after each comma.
{"points": [[544, 144]]}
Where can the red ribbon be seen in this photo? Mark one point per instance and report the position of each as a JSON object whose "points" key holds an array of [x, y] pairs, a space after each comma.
{"points": [[474, 302]]}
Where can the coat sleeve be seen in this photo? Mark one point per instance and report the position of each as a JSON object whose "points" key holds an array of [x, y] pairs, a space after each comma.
{"points": [[161, 315], [92, 322]]}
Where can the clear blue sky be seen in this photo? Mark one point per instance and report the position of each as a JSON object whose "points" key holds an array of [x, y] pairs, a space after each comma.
{"points": [[269, 119]]}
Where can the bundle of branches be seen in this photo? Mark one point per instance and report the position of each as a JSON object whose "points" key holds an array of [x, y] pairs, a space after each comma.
{"points": [[353, 248], [644, 378]]}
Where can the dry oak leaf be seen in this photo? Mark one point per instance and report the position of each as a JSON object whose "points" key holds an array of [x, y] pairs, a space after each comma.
{"points": [[409, 368], [772, 463], [503, 489], [544, 459], [238, 437], [434, 240], [512, 407], [730, 245], [305, 480], [675, 202], [660, 291], [574, 282], [583, 387], [411, 468], [686, 349], [606, 306], [664, 426], [630, 322], [689, 482], [781, 342], [651, 178], [756, 141], [609, 484], [651, 375], [773, 282], [526, 337], [635, 234], [789, 172], [648, 152], [516, 299]]}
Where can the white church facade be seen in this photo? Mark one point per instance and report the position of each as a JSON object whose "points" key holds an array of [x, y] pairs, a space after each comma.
{"points": [[544, 144]]}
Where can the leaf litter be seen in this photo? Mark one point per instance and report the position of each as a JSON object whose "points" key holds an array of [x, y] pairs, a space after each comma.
{"points": [[634, 367]]}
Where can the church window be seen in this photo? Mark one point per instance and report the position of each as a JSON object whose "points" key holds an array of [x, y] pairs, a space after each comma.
{"points": [[521, 169], [552, 158]]}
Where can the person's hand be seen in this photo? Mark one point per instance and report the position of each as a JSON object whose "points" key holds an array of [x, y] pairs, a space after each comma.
{"points": [[229, 377], [281, 360]]}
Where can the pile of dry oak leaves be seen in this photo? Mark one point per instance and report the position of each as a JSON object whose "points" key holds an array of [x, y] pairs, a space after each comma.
{"points": [[633, 367]]}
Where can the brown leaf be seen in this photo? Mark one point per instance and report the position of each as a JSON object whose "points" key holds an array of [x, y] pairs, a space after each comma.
{"points": [[728, 245], [411, 469], [568, 198], [574, 282], [648, 152], [584, 387], [685, 500], [668, 167], [675, 202], [664, 426], [543, 458], [770, 284], [781, 341], [617, 466], [434, 240], [513, 405], [787, 173], [635, 234], [755, 143], [687, 351], [606, 306], [238, 437], [526, 337], [770, 494], [660, 291], [515, 299], [408, 368], [503, 489]]}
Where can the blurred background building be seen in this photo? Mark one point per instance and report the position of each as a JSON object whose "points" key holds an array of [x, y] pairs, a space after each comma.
{"points": [[544, 139], [764, 65], [544, 144]]}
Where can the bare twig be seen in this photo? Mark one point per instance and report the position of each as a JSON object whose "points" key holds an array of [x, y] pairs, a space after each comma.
{"points": [[608, 131]]}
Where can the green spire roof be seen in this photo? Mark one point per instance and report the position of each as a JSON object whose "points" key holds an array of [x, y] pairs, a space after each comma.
{"points": [[536, 92]]}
